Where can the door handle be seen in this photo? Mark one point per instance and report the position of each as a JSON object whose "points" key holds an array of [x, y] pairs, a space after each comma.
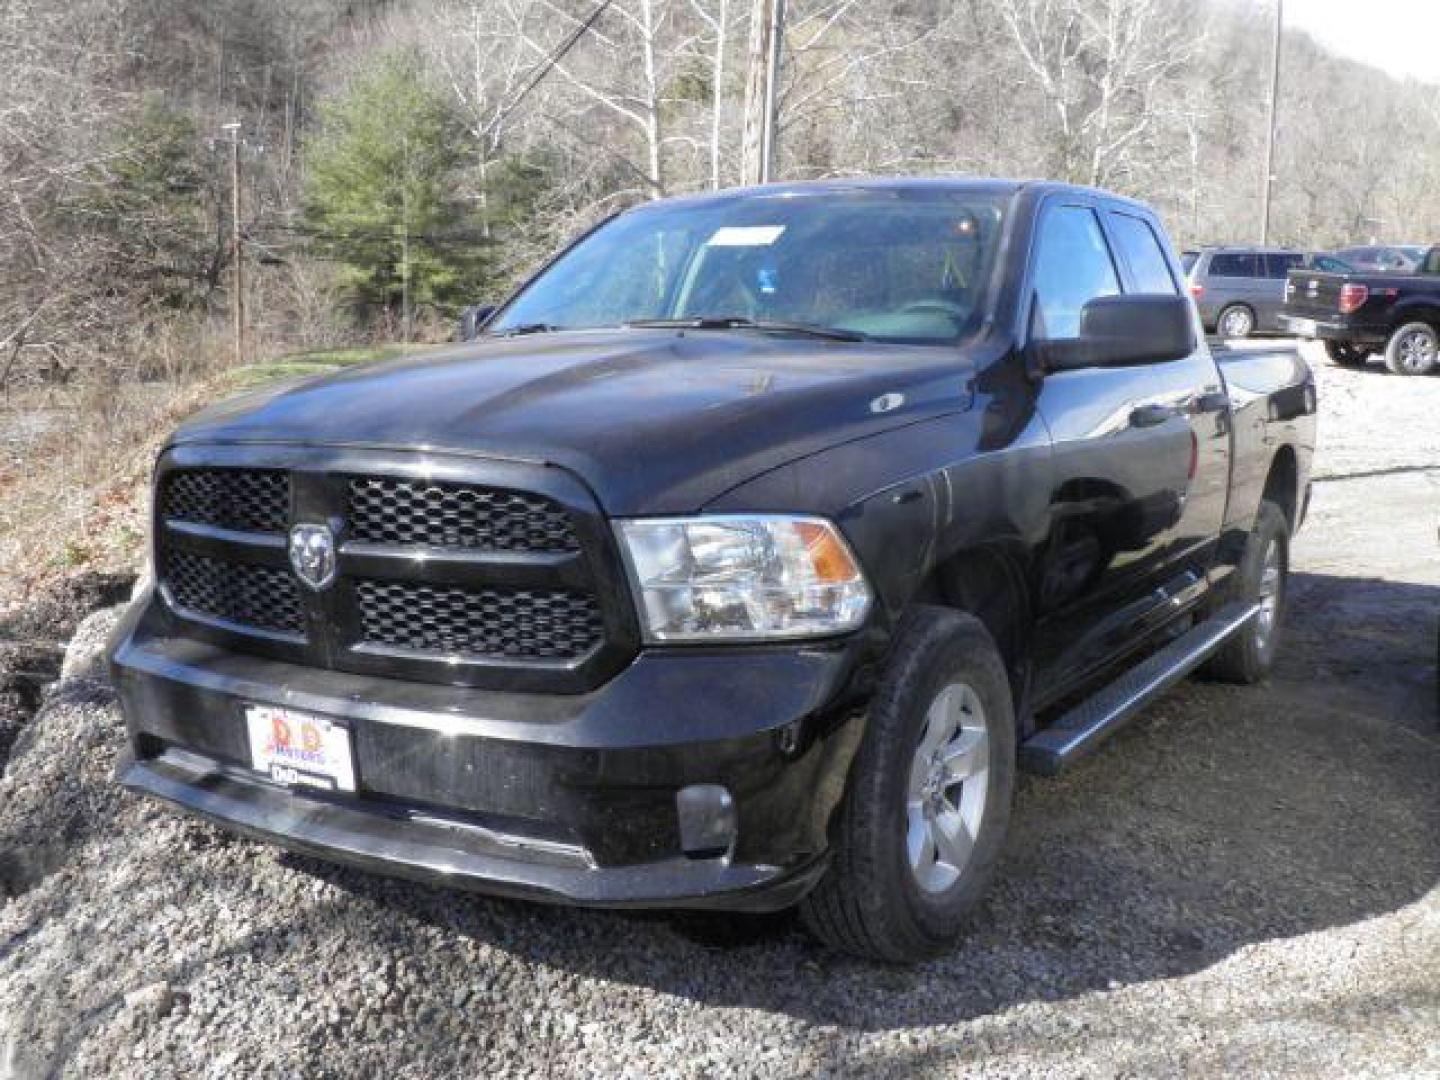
{"points": [[1151, 415], [1214, 401]]}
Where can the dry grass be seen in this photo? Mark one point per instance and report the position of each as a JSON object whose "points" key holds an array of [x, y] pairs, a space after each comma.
{"points": [[75, 460], [73, 493]]}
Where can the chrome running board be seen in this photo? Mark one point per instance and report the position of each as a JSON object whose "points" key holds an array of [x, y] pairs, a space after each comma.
{"points": [[1094, 720]]}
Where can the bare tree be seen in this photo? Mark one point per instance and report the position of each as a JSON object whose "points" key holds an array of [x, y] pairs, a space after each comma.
{"points": [[641, 54], [1098, 64], [718, 22]]}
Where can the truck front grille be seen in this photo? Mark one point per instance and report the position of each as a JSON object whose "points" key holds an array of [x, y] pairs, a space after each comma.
{"points": [[249, 500], [391, 510], [245, 595], [478, 622], [438, 578]]}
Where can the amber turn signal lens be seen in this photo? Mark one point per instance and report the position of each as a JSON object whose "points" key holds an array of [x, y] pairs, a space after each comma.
{"points": [[832, 562]]}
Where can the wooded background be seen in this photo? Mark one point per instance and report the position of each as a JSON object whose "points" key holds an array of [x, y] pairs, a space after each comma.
{"points": [[381, 135]]}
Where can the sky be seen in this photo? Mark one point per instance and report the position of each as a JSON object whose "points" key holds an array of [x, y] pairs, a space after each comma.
{"points": [[1400, 36]]}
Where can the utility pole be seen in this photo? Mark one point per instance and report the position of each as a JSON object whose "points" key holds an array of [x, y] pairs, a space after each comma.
{"points": [[405, 242], [1268, 190], [767, 38], [237, 242]]}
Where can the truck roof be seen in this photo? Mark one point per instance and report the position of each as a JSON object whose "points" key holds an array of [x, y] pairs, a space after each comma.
{"points": [[841, 185]]}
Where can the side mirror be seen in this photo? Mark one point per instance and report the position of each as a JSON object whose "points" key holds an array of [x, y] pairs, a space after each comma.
{"points": [[473, 320], [1119, 331]]}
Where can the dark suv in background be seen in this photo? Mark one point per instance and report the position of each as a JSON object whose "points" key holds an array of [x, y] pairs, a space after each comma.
{"points": [[1241, 291]]}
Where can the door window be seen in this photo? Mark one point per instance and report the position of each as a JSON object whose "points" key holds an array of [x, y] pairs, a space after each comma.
{"points": [[1073, 266], [1280, 265], [1234, 265], [1142, 250]]}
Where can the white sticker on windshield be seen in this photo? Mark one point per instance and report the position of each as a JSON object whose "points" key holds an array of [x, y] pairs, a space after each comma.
{"points": [[746, 236]]}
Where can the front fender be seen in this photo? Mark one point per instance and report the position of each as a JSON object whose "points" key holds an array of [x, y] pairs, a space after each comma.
{"points": [[909, 498]]}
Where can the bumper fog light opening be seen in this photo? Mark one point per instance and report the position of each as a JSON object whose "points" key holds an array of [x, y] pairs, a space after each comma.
{"points": [[708, 822]]}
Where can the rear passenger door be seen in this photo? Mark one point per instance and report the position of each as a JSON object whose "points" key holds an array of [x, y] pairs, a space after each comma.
{"points": [[1205, 407]]}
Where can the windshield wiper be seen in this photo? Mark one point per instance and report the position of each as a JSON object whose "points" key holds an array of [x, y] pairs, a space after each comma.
{"points": [[526, 328], [740, 322]]}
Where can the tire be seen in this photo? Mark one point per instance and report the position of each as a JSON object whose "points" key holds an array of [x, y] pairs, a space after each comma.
{"points": [[1413, 349], [1235, 321], [878, 900], [1263, 577], [1347, 353]]}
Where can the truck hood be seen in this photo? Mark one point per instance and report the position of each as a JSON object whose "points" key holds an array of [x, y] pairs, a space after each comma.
{"points": [[655, 421]]}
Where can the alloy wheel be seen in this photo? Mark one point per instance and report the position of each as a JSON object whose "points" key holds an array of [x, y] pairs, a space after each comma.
{"points": [[1417, 351], [949, 779], [1236, 323], [1269, 598]]}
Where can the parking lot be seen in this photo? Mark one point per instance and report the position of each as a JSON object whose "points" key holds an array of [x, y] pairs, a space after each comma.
{"points": [[1246, 882]]}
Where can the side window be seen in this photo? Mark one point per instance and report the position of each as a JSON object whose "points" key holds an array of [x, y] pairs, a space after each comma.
{"points": [[1072, 267], [1280, 265], [1235, 266], [1140, 246]]}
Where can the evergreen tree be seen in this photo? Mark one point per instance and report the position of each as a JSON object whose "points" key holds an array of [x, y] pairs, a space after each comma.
{"points": [[379, 193], [147, 210]]}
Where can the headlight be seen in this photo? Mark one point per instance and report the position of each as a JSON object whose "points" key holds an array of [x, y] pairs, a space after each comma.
{"points": [[742, 578]]}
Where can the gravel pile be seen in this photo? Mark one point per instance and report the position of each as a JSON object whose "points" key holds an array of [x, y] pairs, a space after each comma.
{"points": [[33, 632], [1244, 883]]}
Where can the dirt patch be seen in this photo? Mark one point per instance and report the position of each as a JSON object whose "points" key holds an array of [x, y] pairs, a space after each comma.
{"points": [[52, 612]]}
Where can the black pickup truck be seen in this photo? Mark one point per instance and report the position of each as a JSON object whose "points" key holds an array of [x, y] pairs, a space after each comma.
{"points": [[1356, 314], [739, 564]]}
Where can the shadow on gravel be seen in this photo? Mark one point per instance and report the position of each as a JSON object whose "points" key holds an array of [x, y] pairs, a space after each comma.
{"points": [[1225, 816]]}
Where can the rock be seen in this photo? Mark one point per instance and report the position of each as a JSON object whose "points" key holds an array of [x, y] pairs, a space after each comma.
{"points": [[151, 1002], [85, 655]]}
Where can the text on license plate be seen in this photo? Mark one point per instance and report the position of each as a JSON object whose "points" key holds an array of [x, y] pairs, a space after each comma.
{"points": [[300, 748], [1303, 327]]}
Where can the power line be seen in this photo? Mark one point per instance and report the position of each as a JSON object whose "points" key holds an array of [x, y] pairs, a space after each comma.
{"points": [[308, 232], [545, 66]]}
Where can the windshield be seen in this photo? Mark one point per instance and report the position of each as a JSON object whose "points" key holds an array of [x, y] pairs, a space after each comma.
{"points": [[902, 266]]}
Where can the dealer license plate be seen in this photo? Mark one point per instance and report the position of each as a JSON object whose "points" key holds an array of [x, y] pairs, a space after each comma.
{"points": [[299, 748], [1302, 327]]}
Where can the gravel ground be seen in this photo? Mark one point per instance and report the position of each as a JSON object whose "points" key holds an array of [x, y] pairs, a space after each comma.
{"points": [[32, 640], [1245, 882]]}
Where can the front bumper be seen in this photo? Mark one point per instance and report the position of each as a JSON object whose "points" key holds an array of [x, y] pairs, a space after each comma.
{"points": [[569, 798]]}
